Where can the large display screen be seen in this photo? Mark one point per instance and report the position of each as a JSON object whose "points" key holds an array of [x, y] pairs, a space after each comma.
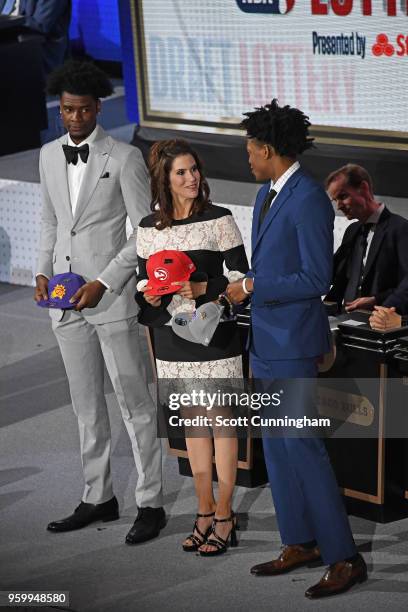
{"points": [[201, 64]]}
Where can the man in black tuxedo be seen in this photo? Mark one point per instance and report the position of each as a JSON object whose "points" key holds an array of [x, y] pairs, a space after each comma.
{"points": [[47, 18], [372, 260]]}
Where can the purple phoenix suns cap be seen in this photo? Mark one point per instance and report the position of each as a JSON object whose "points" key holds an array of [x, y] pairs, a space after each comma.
{"points": [[61, 288]]}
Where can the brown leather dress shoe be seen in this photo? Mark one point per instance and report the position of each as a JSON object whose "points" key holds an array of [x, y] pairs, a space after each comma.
{"points": [[290, 558], [338, 578]]}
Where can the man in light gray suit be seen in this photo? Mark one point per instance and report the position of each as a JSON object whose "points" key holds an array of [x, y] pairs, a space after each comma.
{"points": [[90, 184]]}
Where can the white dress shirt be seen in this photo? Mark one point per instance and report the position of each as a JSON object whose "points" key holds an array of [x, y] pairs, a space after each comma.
{"points": [[16, 8], [282, 180], [76, 173]]}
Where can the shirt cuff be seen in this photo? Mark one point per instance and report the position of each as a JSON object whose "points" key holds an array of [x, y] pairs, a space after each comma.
{"points": [[142, 283], [244, 287], [105, 284], [234, 275]]}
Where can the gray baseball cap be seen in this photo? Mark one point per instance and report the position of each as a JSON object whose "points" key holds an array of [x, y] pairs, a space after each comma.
{"points": [[198, 326]]}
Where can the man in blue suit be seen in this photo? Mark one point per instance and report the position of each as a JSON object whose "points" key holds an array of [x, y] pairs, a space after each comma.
{"points": [[48, 18], [292, 253]]}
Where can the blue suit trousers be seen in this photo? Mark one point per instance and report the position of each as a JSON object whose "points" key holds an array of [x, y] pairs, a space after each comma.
{"points": [[307, 500]]}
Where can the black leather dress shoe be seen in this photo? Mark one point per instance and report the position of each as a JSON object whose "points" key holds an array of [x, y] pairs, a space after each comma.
{"points": [[86, 514], [147, 525]]}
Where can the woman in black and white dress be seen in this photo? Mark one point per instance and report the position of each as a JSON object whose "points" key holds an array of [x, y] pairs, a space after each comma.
{"points": [[184, 219]]}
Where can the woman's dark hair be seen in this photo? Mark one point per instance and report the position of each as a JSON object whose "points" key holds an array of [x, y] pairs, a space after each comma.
{"points": [[286, 129], [80, 79], [161, 157]]}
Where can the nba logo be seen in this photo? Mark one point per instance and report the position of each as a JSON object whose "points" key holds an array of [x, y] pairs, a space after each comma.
{"points": [[276, 7]]}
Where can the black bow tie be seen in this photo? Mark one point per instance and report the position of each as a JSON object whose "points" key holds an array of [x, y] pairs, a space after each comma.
{"points": [[71, 153]]}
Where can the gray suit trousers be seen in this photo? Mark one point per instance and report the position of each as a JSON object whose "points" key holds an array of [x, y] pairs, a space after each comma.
{"points": [[85, 347]]}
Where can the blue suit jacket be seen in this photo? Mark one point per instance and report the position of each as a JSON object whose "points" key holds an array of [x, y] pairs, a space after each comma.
{"points": [[292, 256], [51, 18]]}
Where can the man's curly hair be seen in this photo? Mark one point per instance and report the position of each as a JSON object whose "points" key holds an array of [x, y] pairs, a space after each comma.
{"points": [[286, 129], [79, 79]]}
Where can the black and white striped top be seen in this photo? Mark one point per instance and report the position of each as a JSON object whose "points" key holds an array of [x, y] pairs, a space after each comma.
{"points": [[211, 240]]}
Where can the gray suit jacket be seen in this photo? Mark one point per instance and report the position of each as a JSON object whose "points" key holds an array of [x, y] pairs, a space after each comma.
{"points": [[93, 242]]}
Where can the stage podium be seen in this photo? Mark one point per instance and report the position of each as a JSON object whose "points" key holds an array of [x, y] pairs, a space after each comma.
{"points": [[364, 390]]}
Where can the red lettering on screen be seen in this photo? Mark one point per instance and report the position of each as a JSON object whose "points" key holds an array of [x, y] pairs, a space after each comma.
{"points": [[342, 8], [319, 7]]}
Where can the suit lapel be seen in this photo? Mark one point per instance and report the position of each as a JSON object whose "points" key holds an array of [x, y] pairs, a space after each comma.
{"points": [[262, 193], [279, 201], [98, 156], [376, 241], [343, 255], [352, 234], [61, 176]]}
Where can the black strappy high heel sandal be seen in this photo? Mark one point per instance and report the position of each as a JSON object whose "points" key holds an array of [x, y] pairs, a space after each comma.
{"points": [[196, 541], [217, 541]]}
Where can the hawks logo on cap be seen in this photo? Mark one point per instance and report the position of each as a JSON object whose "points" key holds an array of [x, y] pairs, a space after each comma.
{"points": [[167, 267], [160, 274]]}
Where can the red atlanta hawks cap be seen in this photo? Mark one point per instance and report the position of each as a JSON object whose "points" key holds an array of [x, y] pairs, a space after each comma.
{"points": [[166, 267]]}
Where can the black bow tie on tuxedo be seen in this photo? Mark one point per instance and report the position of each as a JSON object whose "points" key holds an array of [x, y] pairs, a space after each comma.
{"points": [[71, 153]]}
